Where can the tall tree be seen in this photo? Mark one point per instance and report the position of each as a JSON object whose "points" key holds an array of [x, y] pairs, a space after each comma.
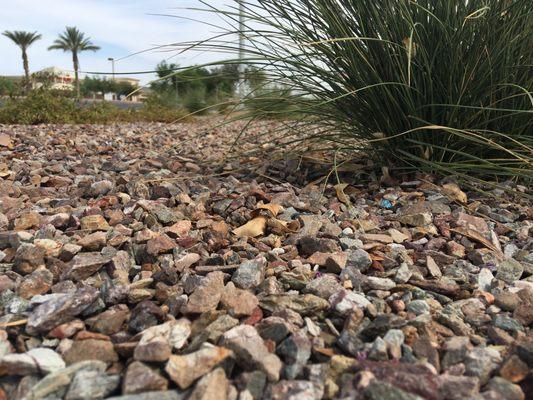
{"points": [[23, 40], [73, 40]]}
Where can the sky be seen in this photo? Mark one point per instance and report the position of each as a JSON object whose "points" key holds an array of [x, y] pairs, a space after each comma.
{"points": [[119, 27]]}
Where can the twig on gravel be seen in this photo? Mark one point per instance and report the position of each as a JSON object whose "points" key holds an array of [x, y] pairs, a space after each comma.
{"points": [[14, 323]]}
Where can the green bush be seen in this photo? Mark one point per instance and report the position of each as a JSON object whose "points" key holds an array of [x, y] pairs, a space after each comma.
{"points": [[46, 107], [194, 101], [273, 103], [38, 107], [9, 87], [442, 86]]}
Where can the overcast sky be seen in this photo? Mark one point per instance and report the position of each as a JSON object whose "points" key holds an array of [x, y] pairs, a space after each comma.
{"points": [[119, 27]]}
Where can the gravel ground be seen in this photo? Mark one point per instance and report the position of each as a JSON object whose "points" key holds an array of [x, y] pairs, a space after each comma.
{"points": [[136, 265]]}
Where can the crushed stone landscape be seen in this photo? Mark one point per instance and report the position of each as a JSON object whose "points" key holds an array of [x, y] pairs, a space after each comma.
{"points": [[136, 264]]}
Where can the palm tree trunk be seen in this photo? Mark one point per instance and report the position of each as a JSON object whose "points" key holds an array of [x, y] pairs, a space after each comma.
{"points": [[26, 66], [76, 73]]}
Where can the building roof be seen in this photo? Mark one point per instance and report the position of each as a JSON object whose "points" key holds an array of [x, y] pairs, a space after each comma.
{"points": [[55, 71]]}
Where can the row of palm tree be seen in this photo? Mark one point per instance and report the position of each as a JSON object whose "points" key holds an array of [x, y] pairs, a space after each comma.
{"points": [[71, 40]]}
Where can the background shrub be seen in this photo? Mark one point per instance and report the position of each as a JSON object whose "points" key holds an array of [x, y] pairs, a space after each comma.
{"points": [[38, 107], [48, 107]]}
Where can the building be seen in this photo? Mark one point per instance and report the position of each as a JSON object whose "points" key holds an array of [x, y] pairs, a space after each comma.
{"points": [[133, 82], [56, 77]]}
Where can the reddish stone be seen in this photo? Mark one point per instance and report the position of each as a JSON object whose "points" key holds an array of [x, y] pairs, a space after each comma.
{"points": [[255, 317], [85, 335], [66, 330]]}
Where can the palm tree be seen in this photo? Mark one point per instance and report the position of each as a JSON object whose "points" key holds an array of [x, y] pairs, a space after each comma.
{"points": [[74, 41], [23, 40]]}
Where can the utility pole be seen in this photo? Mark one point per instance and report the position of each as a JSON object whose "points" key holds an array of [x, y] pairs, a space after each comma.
{"points": [[242, 83], [112, 67]]}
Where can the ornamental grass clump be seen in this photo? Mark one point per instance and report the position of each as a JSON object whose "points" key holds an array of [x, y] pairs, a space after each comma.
{"points": [[440, 86]]}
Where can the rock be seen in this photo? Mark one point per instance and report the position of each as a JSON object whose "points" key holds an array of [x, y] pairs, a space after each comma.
{"points": [[94, 223], [250, 274], [55, 384], [187, 261], [524, 349], [238, 302], [423, 347], [470, 222], [481, 362], [60, 309], [457, 387], [453, 320], [28, 258], [94, 241], [251, 352], [207, 295], [335, 262], [145, 315], [92, 385], [394, 340], [376, 237], [484, 279], [507, 323], [507, 301], [433, 267], [140, 378], [514, 369], [345, 301], [35, 361], [109, 322], [418, 307], [378, 351], [157, 395], [418, 219], [509, 271], [68, 251], [51, 247], [397, 236], [306, 304], [83, 265], [160, 244], [311, 244], [66, 330], [213, 386], [275, 328], [293, 389], [403, 274], [38, 282], [524, 310], [323, 286], [101, 188], [186, 369], [152, 348], [456, 350], [91, 349], [27, 220], [376, 283], [212, 332], [507, 390]]}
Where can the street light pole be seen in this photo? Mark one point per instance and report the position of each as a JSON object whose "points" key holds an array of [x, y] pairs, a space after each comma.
{"points": [[112, 66]]}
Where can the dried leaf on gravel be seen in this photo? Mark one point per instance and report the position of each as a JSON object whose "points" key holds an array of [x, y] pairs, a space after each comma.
{"points": [[343, 197], [478, 237], [454, 193], [274, 209], [5, 141], [253, 228], [280, 227]]}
